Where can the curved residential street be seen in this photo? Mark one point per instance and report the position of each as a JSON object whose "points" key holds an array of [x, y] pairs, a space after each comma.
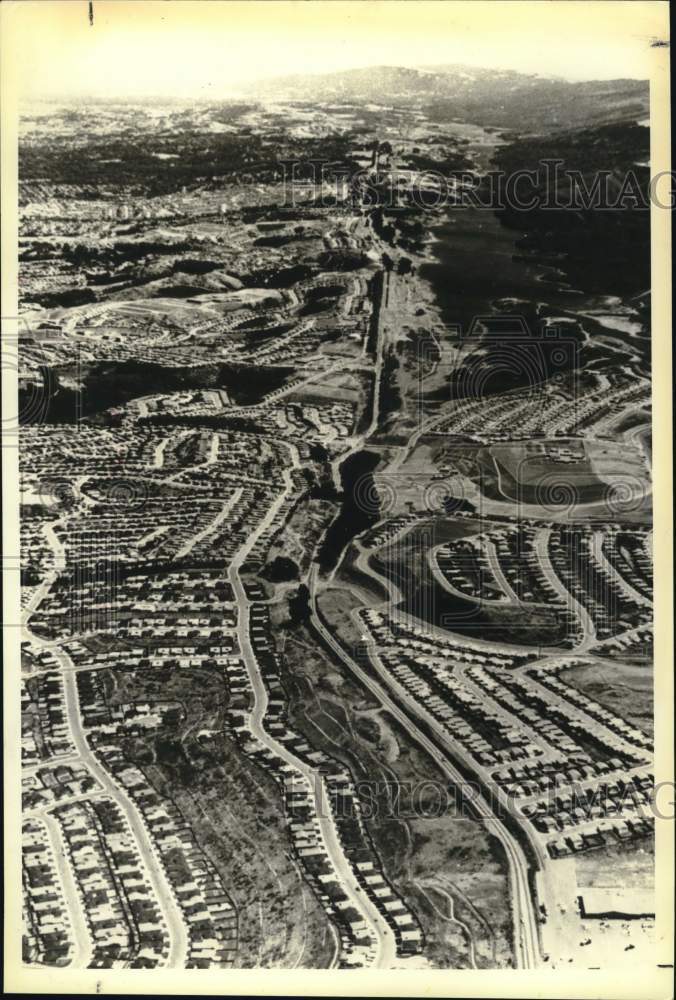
{"points": [[176, 928], [334, 482], [385, 953], [524, 918], [588, 630]]}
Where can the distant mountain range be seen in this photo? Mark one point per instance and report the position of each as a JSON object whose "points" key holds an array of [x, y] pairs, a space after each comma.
{"points": [[501, 98]]}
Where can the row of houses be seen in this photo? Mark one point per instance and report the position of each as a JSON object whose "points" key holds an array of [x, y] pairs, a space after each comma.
{"points": [[526, 729], [197, 889], [47, 930], [126, 926], [301, 801], [44, 731]]}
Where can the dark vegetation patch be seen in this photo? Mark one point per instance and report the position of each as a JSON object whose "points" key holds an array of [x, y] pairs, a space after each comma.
{"points": [[601, 249], [105, 384], [280, 570], [358, 510]]}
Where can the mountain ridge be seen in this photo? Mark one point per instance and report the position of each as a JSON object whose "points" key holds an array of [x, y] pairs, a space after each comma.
{"points": [[501, 98]]}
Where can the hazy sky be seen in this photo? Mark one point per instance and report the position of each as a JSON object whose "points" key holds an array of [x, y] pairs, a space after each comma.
{"points": [[206, 47]]}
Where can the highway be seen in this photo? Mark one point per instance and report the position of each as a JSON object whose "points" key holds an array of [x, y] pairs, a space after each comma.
{"points": [[378, 369], [526, 941], [359, 442]]}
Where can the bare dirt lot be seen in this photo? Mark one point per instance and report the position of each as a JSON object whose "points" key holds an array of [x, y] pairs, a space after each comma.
{"points": [[624, 686]]}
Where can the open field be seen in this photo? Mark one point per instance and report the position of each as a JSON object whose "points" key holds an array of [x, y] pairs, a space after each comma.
{"points": [[621, 684], [405, 563]]}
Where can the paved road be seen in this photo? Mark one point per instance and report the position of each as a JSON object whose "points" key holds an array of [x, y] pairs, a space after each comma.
{"points": [[443, 581], [385, 953], [211, 526], [496, 569], [83, 946], [178, 935], [50, 577], [588, 630], [158, 457], [613, 574], [525, 921], [359, 441], [378, 369]]}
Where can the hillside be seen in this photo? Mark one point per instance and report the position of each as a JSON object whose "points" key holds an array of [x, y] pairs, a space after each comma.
{"points": [[498, 98]]}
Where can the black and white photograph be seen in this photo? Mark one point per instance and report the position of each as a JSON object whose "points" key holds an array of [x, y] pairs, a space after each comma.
{"points": [[337, 552]]}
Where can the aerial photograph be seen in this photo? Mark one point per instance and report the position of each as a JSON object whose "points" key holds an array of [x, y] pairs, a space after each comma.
{"points": [[336, 547]]}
